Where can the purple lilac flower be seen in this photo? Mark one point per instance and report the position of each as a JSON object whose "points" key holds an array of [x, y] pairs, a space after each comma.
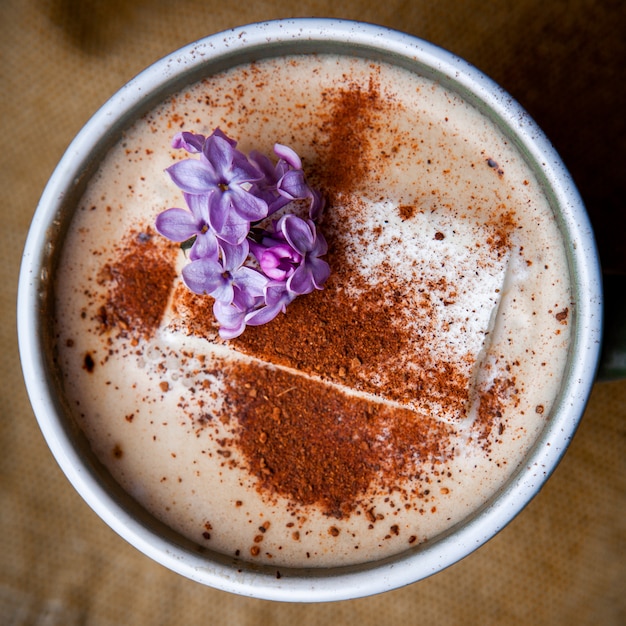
{"points": [[286, 181], [304, 239], [252, 271], [181, 225], [192, 142], [231, 319], [276, 299], [227, 279], [276, 258], [280, 261], [225, 176]]}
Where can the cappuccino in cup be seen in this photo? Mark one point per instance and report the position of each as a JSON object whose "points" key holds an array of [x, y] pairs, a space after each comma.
{"points": [[374, 415]]}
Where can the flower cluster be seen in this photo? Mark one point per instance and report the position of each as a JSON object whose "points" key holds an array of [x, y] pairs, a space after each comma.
{"points": [[251, 263]]}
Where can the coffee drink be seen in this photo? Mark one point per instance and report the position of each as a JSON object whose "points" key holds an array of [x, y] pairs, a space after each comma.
{"points": [[375, 414]]}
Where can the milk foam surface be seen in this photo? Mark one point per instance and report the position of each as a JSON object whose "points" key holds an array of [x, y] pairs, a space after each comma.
{"points": [[444, 238]]}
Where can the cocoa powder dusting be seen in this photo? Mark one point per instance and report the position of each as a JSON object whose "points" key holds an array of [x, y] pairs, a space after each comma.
{"points": [[349, 339], [346, 152], [315, 445], [139, 283], [491, 408], [502, 225]]}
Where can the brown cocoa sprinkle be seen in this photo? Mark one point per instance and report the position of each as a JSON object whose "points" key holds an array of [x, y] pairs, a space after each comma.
{"points": [[562, 315], [539, 409], [501, 227], [88, 363], [139, 282], [406, 211], [255, 550], [164, 385], [344, 138], [118, 453], [316, 456], [334, 531], [439, 236], [492, 403]]}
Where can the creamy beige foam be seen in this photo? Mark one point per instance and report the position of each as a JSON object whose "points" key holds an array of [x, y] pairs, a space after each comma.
{"points": [[438, 231]]}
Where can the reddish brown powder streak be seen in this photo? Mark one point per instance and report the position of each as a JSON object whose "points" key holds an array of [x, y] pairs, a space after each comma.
{"points": [[492, 405], [140, 281], [315, 445], [344, 145], [349, 339], [502, 225]]}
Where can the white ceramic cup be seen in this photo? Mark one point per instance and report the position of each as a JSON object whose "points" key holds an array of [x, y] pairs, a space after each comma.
{"points": [[58, 202]]}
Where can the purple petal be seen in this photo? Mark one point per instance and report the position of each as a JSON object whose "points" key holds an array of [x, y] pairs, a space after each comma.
{"points": [[299, 233], [232, 321], [301, 281], [191, 142], [219, 153], [277, 298], [320, 247], [218, 133], [263, 315], [251, 281], [320, 271], [276, 204], [293, 186], [205, 246], [279, 261], [265, 166], [246, 205], [199, 206], [317, 204], [287, 154], [234, 255], [193, 176], [227, 224], [176, 224], [276, 292], [224, 291], [230, 165], [204, 276]]}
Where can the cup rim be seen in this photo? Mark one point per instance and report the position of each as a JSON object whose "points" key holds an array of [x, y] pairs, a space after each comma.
{"points": [[261, 40]]}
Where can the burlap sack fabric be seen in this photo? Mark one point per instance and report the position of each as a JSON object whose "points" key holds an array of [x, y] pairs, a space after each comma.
{"points": [[563, 561]]}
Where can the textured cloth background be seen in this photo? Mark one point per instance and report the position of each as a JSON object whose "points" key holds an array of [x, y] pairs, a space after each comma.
{"points": [[562, 561]]}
